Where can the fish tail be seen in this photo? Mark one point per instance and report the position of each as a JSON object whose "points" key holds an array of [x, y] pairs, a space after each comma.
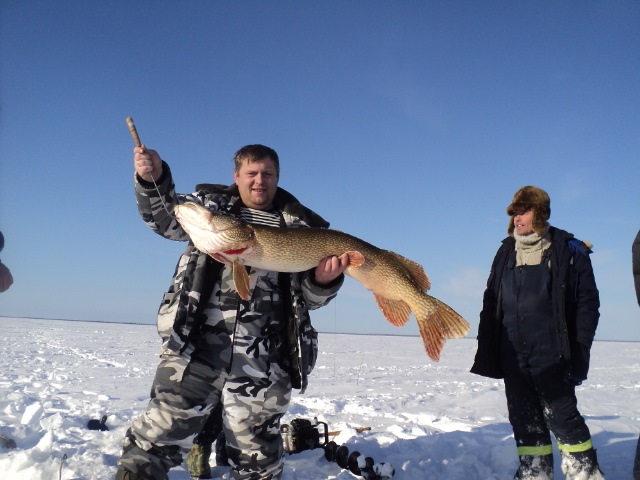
{"points": [[437, 322]]}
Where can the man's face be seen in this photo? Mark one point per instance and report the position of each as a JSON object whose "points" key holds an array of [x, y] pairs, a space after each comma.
{"points": [[257, 182]]}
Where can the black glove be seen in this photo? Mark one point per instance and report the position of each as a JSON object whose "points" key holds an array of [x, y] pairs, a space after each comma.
{"points": [[580, 356]]}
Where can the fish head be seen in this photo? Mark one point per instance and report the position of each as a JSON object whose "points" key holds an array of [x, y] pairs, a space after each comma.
{"points": [[213, 232], [193, 215]]}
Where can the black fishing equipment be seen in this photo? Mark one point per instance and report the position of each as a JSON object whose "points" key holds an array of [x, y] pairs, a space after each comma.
{"points": [[302, 434], [98, 424], [356, 463], [62, 460]]}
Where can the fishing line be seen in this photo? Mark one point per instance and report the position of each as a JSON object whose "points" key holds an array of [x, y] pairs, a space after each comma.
{"points": [[360, 367], [136, 140], [335, 325]]}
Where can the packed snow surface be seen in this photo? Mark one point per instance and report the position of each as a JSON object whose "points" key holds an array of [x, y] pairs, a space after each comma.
{"points": [[427, 420]]}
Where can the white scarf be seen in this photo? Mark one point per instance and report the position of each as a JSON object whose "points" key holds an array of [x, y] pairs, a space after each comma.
{"points": [[529, 248]]}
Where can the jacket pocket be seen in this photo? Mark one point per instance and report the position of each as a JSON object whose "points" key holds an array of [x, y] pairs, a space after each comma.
{"points": [[309, 347], [167, 314]]}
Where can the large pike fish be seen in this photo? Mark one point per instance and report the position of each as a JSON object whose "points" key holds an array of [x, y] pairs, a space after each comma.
{"points": [[398, 284]]}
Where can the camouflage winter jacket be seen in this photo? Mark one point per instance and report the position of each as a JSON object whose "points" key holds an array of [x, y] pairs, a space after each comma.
{"points": [[179, 315]]}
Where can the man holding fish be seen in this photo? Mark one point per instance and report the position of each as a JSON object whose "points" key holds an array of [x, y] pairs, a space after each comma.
{"points": [[245, 352]]}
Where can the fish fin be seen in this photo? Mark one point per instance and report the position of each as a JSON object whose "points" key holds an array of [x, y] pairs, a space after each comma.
{"points": [[241, 280], [356, 259], [416, 271], [432, 338], [438, 323], [453, 325], [396, 312]]}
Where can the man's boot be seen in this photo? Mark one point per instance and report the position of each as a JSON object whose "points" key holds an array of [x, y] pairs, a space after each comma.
{"points": [[581, 465], [198, 461], [123, 474], [535, 467]]}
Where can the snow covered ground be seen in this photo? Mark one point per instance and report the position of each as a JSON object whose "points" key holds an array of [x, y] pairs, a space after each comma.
{"points": [[429, 420]]}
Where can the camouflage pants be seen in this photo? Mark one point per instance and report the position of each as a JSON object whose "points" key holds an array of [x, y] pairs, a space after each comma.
{"points": [[182, 397]]}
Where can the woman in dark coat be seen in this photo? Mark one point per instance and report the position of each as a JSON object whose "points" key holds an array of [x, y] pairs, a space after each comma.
{"points": [[538, 321], [635, 253]]}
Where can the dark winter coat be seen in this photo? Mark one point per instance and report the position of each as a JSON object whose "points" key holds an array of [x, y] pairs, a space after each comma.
{"points": [[575, 300], [635, 252]]}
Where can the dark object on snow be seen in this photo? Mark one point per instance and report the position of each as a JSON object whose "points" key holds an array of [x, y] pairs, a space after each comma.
{"points": [[6, 442], [62, 460], [123, 474], [366, 468], [98, 424], [302, 434]]}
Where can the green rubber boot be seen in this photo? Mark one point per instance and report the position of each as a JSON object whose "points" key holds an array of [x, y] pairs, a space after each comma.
{"points": [[198, 461]]}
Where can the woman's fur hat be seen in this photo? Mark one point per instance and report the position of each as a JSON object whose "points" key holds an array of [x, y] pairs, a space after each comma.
{"points": [[531, 198]]}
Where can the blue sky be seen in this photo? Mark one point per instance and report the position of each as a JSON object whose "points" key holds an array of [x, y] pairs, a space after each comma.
{"points": [[409, 124]]}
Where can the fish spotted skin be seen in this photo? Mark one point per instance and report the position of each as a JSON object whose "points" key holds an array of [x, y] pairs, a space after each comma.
{"points": [[398, 284]]}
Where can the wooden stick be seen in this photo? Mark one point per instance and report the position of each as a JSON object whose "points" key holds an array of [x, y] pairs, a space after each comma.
{"points": [[134, 132], [333, 433], [136, 140]]}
